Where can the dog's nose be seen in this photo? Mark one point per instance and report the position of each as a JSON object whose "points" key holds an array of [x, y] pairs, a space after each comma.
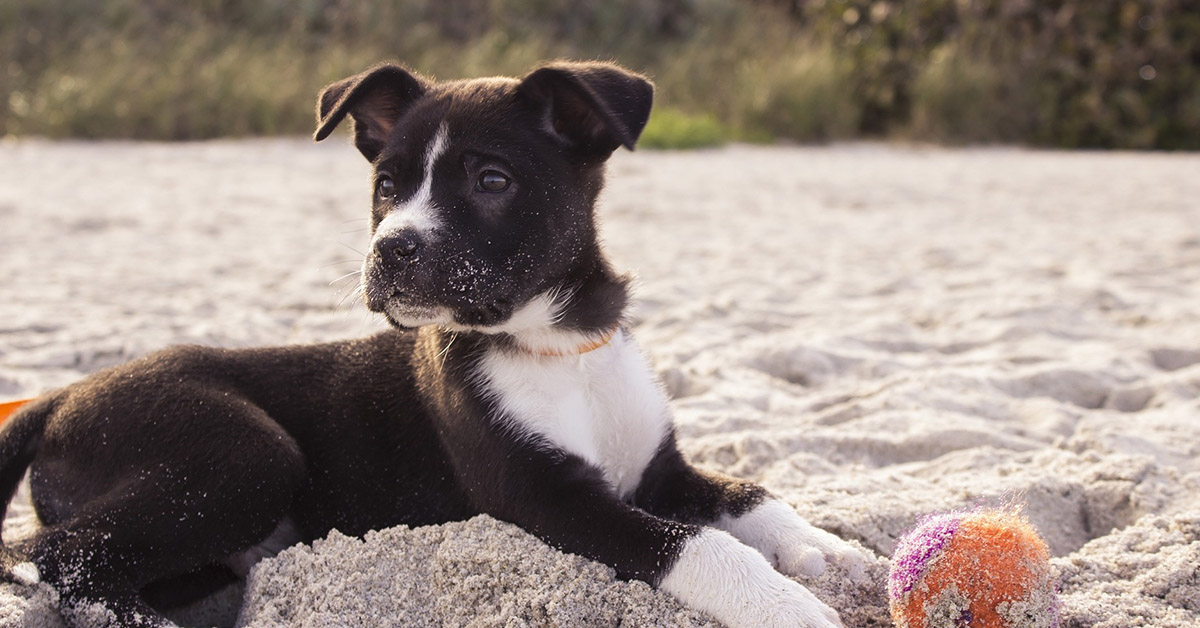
{"points": [[398, 247]]}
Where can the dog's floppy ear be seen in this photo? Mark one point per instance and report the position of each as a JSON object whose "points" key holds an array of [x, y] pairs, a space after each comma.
{"points": [[374, 99], [593, 107]]}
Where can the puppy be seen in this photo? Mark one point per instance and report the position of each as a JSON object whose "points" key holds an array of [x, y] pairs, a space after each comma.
{"points": [[509, 386]]}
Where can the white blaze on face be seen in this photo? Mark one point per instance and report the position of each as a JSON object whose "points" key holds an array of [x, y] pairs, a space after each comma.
{"points": [[418, 212]]}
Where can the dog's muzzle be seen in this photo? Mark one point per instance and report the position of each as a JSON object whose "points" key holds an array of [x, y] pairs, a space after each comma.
{"points": [[411, 278]]}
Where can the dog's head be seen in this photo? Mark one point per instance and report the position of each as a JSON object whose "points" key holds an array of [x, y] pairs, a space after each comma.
{"points": [[484, 192]]}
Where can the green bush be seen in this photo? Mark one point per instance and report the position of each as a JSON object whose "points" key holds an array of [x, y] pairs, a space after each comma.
{"points": [[673, 129], [1068, 73], [884, 43], [1107, 73]]}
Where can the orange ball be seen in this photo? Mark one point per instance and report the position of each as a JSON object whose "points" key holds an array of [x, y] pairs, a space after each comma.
{"points": [[981, 569]]}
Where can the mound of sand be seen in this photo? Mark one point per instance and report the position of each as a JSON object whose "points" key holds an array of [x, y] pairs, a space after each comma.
{"points": [[873, 333]]}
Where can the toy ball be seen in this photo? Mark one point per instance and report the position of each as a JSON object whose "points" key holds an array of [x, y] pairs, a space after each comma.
{"points": [[979, 569]]}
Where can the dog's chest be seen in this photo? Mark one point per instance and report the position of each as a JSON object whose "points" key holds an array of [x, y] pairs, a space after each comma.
{"points": [[604, 406]]}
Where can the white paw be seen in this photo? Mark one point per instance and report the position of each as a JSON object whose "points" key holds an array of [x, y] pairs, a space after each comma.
{"points": [[797, 606], [26, 573], [793, 545], [805, 549], [717, 574]]}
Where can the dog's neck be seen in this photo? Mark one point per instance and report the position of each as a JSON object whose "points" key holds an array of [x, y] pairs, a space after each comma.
{"points": [[573, 320], [559, 343], [586, 347], [589, 308], [578, 315]]}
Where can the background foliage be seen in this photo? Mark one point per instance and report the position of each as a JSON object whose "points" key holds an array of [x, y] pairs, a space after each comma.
{"points": [[1069, 73]]}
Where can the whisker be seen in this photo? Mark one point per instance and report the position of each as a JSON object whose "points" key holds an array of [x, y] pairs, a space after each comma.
{"points": [[352, 249], [355, 293], [346, 276], [345, 261], [442, 355]]}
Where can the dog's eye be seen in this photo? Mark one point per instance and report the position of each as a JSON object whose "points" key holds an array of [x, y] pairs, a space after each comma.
{"points": [[385, 187], [492, 181]]}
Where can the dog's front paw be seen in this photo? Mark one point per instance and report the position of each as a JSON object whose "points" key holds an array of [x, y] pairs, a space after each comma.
{"points": [[796, 606], [793, 545], [717, 574]]}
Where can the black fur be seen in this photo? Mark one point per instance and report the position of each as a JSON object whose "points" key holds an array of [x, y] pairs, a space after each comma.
{"points": [[375, 100]]}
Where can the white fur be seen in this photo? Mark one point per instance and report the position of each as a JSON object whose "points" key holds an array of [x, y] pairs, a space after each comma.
{"points": [[604, 406], [790, 543], [418, 317], [716, 574], [26, 573], [418, 213]]}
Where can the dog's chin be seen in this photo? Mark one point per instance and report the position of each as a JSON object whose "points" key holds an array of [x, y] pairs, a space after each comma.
{"points": [[408, 316], [494, 316]]}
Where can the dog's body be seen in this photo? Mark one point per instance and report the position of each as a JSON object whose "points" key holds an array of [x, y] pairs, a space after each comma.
{"points": [[511, 388]]}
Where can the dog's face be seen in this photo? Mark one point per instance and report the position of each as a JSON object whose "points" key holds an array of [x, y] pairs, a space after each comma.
{"points": [[483, 190]]}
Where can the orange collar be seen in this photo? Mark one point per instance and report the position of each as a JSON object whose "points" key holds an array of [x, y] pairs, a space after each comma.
{"points": [[586, 347]]}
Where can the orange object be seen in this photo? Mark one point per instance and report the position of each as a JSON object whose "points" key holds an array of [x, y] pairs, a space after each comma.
{"points": [[985, 569], [9, 407]]}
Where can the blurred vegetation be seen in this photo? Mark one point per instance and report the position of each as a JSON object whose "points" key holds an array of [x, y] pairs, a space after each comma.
{"points": [[1069, 73], [671, 128]]}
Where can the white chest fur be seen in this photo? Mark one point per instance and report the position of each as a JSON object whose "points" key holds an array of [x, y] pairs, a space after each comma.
{"points": [[604, 406]]}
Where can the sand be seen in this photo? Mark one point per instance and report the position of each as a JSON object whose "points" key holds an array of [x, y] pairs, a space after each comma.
{"points": [[872, 332]]}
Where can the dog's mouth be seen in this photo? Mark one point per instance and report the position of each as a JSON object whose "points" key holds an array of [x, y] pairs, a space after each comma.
{"points": [[405, 310], [384, 293], [453, 295], [407, 315]]}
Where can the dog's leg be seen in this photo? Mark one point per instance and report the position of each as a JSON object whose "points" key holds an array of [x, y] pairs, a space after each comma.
{"points": [[93, 582], [156, 517], [569, 505], [189, 588], [100, 560], [674, 489]]}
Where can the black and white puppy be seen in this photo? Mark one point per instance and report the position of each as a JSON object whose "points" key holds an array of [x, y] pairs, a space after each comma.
{"points": [[510, 387]]}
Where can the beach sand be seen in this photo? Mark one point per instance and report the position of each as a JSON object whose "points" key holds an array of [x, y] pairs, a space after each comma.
{"points": [[872, 332]]}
